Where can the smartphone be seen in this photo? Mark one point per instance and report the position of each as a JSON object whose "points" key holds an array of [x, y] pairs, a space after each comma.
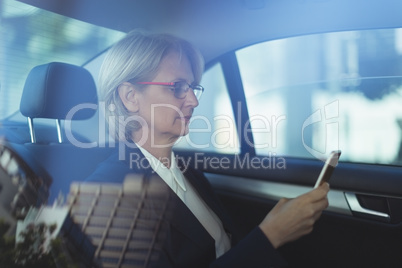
{"points": [[329, 166]]}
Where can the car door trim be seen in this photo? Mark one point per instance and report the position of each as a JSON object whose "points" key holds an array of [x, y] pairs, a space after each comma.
{"points": [[274, 190]]}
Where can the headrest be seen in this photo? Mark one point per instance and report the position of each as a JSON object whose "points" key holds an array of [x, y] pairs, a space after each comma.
{"points": [[52, 90]]}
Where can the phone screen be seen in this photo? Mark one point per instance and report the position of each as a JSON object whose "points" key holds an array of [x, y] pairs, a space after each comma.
{"points": [[328, 168]]}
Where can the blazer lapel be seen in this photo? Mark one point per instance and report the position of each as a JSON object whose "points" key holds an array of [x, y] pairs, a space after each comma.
{"points": [[180, 217], [205, 191], [184, 221], [202, 190]]}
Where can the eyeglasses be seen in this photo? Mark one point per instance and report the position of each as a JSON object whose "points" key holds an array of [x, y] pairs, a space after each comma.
{"points": [[180, 88]]}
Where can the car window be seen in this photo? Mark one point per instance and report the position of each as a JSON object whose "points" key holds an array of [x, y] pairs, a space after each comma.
{"points": [[28, 39], [212, 127], [312, 94]]}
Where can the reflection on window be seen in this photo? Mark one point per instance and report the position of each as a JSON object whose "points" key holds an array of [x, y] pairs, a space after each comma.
{"points": [[212, 127], [31, 36], [313, 94]]}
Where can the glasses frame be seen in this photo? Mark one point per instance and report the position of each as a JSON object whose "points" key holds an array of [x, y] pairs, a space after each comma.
{"points": [[197, 89]]}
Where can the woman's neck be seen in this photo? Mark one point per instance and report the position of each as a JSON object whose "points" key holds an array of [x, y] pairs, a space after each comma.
{"points": [[161, 151]]}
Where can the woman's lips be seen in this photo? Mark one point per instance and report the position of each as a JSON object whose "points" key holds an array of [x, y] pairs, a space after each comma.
{"points": [[186, 118]]}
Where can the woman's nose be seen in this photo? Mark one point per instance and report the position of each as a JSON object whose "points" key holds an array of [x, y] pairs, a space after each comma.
{"points": [[191, 99]]}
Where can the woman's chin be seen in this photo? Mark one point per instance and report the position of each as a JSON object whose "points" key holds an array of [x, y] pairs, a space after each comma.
{"points": [[185, 132]]}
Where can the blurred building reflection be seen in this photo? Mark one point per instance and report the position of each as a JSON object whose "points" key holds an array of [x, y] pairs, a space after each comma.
{"points": [[124, 222]]}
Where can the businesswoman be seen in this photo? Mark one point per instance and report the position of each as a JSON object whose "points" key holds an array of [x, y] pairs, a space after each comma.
{"points": [[150, 85]]}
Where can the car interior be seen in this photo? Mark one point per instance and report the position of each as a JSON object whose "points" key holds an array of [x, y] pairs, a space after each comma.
{"points": [[286, 82]]}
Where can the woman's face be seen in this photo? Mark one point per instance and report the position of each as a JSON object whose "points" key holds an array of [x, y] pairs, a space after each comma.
{"points": [[167, 117]]}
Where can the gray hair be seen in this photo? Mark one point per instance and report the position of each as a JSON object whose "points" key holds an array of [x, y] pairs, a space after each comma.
{"points": [[136, 58]]}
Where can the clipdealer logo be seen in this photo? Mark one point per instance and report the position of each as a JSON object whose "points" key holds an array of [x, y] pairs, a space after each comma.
{"points": [[327, 119], [324, 119], [244, 162], [203, 161]]}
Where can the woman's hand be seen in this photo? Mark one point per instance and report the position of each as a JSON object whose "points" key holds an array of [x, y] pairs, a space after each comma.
{"points": [[292, 218]]}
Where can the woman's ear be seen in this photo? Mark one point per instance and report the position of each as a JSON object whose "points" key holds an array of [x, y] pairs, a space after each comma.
{"points": [[129, 96]]}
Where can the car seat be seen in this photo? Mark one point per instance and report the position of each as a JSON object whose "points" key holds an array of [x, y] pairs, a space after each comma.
{"points": [[63, 92]]}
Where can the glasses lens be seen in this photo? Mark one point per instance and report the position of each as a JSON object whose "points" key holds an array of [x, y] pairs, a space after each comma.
{"points": [[180, 89], [198, 90]]}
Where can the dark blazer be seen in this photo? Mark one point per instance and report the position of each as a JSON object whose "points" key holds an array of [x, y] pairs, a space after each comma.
{"points": [[184, 241]]}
